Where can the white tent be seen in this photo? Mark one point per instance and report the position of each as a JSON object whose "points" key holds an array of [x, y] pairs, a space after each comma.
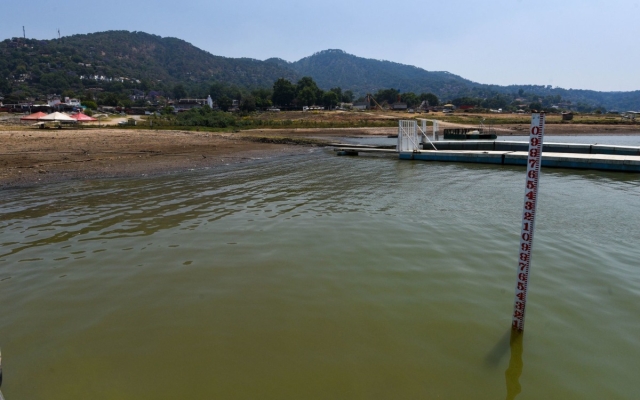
{"points": [[58, 117]]}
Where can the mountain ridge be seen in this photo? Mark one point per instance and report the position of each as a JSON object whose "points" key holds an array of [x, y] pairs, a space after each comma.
{"points": [[113, 59], [334, 67]]}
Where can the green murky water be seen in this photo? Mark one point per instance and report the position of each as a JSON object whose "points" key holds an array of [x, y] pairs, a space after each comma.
{"points": [[319, 277]]}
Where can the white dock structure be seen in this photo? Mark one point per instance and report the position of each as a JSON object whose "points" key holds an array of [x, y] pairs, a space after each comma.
{"points": [[414, 144]]}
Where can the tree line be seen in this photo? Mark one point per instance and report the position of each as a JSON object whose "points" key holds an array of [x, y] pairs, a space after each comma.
{"points": [[522, 100], [283, 93]]}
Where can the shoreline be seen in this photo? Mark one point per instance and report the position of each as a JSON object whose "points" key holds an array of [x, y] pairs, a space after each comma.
{"points": [[31, 157]]}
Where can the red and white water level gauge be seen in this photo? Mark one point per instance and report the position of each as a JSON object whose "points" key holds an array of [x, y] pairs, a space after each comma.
{"points": [[534, 159]]}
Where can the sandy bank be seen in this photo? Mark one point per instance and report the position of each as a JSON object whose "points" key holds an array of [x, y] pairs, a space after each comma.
{"points": [[34, 156], [39, 156]]}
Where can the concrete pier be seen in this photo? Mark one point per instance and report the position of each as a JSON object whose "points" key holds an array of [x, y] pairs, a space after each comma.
{"points": [[605, 162], [554, 155], [496, 145]]}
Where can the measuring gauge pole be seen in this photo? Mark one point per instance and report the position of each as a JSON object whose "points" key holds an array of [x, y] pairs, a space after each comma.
{"points": [[534, 159], [1, 397]]}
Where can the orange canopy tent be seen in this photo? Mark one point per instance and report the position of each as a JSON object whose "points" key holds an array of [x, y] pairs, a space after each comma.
{"points": [[80, 117], [34, 116]]}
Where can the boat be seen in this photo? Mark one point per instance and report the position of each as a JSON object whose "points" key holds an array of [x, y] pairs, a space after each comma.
{"points": [[469, 134], [480, 133]]}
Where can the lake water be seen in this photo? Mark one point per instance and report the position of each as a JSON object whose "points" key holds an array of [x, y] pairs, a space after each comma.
{"points": [[320, 277]]}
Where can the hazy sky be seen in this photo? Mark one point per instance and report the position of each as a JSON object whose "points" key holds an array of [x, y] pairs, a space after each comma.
{"points": [[579, 44]]}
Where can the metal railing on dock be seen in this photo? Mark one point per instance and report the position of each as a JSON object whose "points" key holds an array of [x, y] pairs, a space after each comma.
{"points": [[556, 155]]}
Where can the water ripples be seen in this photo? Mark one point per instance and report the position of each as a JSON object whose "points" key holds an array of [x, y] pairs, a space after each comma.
{"points": [[341, 263]]}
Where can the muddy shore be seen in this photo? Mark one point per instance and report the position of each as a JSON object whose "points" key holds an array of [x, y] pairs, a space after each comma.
{"points": [[35, 156], [32, 157]]}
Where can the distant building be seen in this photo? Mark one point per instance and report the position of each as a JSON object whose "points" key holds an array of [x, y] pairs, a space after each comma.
{"points": [[54, 101], [187, 104], [107, 109], [361, 105]]}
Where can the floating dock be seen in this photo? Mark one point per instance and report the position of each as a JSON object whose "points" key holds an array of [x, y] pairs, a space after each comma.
{"points": [[498, 145], [554, 155]]}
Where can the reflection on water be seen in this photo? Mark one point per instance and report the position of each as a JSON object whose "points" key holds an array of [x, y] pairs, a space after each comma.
{"points": [[510, 343], [514, 372], [319, 277]]}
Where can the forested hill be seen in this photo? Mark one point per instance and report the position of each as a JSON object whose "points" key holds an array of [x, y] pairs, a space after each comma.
{"points": [[331, 68], [119, 61], [74, 62], [335, 68]]}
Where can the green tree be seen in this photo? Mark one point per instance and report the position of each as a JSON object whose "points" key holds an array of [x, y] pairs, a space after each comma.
{"points": [[108, 99], [5, 87], [306, 97], [537, 106], [125, 102], [283, 92], [248, 104], [330, 99], [497, 101], [308, 92], [307, 81], [90, 104], [218, 90], [55, 81], [337, 91], [224, 103], [179, 92], [68, 93], [411, 99], [431, 98], [262, 98], [115, 87], [145, 85], [466, 101], [389, 96], [261, 102], [347, 96]]}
